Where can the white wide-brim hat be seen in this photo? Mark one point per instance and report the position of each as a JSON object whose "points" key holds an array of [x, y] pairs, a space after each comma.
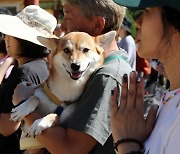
{"points": [[31, 22]]}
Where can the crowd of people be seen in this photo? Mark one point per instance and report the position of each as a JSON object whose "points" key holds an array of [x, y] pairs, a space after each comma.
{"points": [[156, 41], [22, 45], [109, 117], [127, 42]]}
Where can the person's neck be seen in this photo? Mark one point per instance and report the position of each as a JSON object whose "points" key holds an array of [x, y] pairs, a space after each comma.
{"points": [[110, 48], [123, 33], [173, 71], [22, 60]]}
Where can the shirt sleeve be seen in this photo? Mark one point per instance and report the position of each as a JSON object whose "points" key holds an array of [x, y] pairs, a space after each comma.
{"points": [[34, 71], [173, 142], [7, 91], [92, 115]]}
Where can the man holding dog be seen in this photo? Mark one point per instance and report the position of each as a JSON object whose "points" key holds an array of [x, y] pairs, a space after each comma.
{"points": [[88, 131]]}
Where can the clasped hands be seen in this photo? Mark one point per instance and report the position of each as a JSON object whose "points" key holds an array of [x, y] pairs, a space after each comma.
{"points": [[127, 117]]}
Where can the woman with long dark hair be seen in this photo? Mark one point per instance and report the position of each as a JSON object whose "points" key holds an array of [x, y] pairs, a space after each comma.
{"points": [[20, 34], [159, 38]]}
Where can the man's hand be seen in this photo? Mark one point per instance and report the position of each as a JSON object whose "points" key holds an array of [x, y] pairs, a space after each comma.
{"points": [[23, 91]]}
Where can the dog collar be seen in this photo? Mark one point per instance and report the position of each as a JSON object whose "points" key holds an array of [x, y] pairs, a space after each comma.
{"points": [[59, 110], [109, 58], [50, 94]]}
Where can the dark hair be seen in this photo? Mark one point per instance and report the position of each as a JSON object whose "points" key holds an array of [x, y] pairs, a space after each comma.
{"points": [[170, 17], [2, 42], [5, 11], [32, 50], [2, 45]]}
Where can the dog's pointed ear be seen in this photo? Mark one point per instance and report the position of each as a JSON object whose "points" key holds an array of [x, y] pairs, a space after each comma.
{"points": [[49, 43], [105, 39]]}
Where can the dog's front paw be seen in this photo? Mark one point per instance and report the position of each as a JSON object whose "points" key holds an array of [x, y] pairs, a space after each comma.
{"points": [[18, 113], [41, 124]]}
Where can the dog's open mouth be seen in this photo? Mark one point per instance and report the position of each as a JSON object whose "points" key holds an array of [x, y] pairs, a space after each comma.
{"points": [[75, 75]]}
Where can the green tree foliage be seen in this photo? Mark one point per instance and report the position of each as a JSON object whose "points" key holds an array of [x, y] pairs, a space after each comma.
{"points": [[133, 15]]}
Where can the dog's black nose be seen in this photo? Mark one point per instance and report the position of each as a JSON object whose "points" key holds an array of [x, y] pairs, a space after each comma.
{"points": [[75, 67]]}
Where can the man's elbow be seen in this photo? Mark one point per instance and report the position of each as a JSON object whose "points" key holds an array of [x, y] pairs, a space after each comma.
{"points": [[8, 131], [7, 127]]}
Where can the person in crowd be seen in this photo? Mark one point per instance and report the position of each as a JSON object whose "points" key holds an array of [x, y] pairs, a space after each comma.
{"points": [[58, 31], [160, 69], [21, 33], [88, 130], [143, 65], [6, 62], [159, 37], [127, 42]]}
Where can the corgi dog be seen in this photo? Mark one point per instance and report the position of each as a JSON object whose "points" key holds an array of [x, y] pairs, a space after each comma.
{"points": [[74, 58]]}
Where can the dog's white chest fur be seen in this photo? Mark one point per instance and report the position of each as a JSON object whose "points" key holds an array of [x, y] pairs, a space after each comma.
{"points": [[67, 89], [47, 106]]}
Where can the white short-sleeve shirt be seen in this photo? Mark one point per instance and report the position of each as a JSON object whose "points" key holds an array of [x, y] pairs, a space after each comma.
{"points": [[165, 137]]}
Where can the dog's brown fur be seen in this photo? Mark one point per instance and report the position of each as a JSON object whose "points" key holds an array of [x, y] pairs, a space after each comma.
{"points": [[74, 58]]}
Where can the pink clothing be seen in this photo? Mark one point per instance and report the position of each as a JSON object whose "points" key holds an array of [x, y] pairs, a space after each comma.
{"points": [[3, 59], [9, 69]]}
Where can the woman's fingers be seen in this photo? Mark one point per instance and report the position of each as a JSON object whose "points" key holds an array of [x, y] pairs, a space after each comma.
{"points": [[151, 119], [124, 92], [115, 119], [140, 94], [132, 91], [127, 119], [114, 102]]}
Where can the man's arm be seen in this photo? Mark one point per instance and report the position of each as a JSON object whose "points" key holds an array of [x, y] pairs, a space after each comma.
{"points": [[55, 139], [65, 141], [7, 127]]}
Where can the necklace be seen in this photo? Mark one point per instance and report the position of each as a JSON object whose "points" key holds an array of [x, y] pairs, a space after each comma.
{"points": [[170, 97], [177, 105]]}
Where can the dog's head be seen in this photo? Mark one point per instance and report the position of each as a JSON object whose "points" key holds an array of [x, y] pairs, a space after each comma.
{"points": [[77, 54]]}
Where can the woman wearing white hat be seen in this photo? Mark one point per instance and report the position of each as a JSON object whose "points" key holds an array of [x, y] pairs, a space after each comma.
{"points": [[159, 38], [6, 62], [21, 33]]}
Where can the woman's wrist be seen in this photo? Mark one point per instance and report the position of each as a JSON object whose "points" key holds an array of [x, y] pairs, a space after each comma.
{"points": [[129, 146]]}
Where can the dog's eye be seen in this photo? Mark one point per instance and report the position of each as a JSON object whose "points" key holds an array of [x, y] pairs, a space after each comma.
{"points": [[67, 50], [85, 50]]}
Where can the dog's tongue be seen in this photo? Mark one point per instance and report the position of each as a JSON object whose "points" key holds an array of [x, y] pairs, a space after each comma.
{"points": [[76, 76]]}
